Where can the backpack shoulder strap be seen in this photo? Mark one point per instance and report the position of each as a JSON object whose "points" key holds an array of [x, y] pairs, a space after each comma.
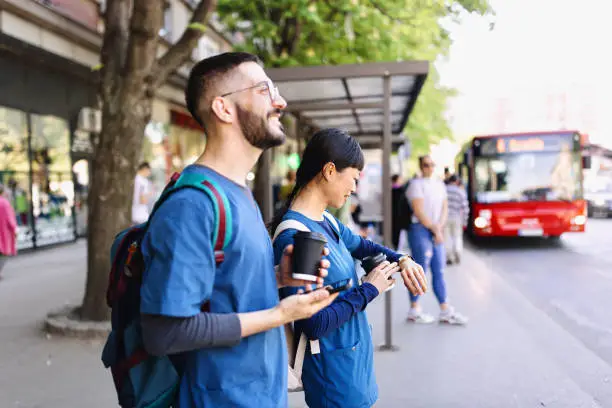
{"points": [[299, 356], [223, 214], [289, 224], [332, 220], [222, 233]]}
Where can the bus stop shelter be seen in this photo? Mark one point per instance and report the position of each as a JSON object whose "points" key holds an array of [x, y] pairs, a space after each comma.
{"points": [[371, 101]]}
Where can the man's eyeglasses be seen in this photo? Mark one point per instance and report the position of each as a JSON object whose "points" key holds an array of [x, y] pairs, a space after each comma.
{"points": [[267, 85], [427, 165]]}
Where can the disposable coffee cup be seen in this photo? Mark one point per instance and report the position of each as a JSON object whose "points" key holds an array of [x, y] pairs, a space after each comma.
{"points": [[371, 262], [307, 251]]}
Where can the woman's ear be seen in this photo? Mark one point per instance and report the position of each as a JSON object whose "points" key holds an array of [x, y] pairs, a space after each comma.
{"points": [[328, 170]]}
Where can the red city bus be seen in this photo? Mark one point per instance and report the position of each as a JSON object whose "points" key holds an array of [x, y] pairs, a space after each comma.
{"points": [[525, 184]]}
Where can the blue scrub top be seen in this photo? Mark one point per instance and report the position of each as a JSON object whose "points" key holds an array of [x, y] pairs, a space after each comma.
{"points": [[342, 374], [181, 275]]}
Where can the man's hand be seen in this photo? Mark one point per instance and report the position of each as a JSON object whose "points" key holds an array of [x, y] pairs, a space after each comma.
{"points": [[413, 276], [438, 233], [284, 271], [296, 307], [304, 305]]}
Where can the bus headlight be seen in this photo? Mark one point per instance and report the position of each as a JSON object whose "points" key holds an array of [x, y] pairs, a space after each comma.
{"points": [[579, 220], [481, 222]]}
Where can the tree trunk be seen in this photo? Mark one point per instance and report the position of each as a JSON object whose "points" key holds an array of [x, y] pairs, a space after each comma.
{"points": [[130, 75], [126, 109], [110, 197]]}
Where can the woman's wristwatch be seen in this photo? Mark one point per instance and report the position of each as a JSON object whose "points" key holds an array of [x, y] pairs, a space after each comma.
{"points": [[405, 258]]}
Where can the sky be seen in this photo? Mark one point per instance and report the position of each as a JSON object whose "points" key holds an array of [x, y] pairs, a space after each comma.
{"points": [[546, 65]]}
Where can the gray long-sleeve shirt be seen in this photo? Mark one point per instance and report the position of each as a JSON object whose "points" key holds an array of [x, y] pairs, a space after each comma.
{"points": [[164, 335]]}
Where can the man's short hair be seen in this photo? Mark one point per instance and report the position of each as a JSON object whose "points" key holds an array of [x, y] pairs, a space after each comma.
{"points": [[395, 178], [144, 165], [205, 75], [453, 178], [422, 159]]}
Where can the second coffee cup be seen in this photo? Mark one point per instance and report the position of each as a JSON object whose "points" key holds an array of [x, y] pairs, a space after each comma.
{"points": [[307, 252], [369, 263]]}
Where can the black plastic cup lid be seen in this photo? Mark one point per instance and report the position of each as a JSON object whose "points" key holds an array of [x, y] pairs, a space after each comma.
{"points": [[317, 236], [373, 261]]}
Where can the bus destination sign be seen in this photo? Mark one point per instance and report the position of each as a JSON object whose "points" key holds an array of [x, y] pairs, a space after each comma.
{"points": [[528, 143]]}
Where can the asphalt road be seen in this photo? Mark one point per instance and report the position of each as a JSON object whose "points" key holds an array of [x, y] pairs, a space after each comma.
{"points": [[569, 280]]}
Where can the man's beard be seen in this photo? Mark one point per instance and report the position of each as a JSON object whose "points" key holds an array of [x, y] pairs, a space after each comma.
{"points": [[256, 130]]}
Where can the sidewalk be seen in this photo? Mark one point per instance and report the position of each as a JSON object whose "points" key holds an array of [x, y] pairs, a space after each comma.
{"points": [[510, 355]]}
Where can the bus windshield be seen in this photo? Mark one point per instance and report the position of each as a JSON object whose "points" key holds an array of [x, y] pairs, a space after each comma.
{"points": [[528, 176]]}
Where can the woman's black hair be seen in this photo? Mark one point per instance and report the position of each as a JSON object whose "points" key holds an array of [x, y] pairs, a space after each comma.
{"points": [[327, 145]]}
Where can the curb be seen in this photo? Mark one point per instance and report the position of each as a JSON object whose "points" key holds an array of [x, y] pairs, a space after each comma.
{"points": [[64, 322]]}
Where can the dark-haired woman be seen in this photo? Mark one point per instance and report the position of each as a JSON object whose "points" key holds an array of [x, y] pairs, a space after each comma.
{"points": [[338, 368]]}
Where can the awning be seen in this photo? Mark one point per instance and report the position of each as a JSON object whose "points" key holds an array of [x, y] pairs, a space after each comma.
{"points": [[352, 97]]}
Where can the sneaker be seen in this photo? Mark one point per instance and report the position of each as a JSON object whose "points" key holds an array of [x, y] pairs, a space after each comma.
{"points": [[418, 316], [452, 317]]}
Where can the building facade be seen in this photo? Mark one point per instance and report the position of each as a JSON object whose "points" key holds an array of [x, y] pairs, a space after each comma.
{"points": [[47, 91]]}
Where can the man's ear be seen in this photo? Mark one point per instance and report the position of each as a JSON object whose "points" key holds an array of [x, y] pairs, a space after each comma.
{"points": [[223, 109]]}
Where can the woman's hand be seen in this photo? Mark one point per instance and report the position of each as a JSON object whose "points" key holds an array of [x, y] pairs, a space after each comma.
{"points": [[413, 276], [380, 276]]}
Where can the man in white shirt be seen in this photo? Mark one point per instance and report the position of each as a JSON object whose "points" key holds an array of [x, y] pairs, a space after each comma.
{"points": [[427, 197], [143, 192]]}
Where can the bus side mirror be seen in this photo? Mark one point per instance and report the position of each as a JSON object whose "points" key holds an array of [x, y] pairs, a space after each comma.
{"points": [[586, 162]]}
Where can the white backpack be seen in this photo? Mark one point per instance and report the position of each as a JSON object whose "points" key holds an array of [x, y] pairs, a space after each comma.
{"points": [[296, 355]]}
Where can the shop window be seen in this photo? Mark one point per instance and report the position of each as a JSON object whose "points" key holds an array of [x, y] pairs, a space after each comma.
{"points": [[52, 185], [15, 171]]}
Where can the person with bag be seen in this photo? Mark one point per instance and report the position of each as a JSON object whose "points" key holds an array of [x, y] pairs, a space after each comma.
{"points": [[196, 319], [335, 351]]}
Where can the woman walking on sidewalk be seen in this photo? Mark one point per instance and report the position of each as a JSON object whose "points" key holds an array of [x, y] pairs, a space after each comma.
{"points": [[338, 369], [8, 229]]}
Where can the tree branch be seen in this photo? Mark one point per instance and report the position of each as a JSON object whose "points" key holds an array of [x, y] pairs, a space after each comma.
{"points": [[145, 24], [114, 44], [386, 13], [181, 51], [296, 36]]}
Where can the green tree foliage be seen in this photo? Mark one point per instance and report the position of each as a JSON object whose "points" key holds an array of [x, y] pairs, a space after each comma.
{"points": [[315, 32]]}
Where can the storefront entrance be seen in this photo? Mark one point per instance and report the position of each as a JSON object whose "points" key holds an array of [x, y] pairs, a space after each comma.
{"points": [[35, 168]]}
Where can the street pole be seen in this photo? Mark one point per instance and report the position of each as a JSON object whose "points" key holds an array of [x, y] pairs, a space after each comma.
{"points": [[386, 184]]}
